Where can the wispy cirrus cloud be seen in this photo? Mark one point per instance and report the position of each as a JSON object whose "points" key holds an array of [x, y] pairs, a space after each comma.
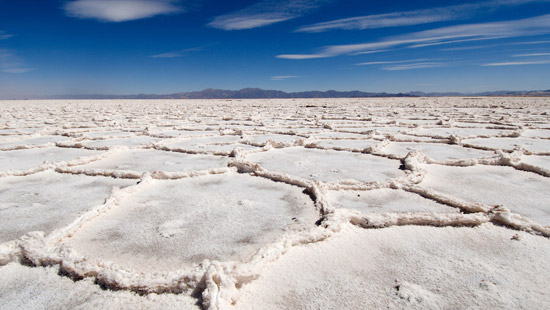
{"points": [[283, 77], [265, 12], [409, 18], [370, 63], [517, 63], [412, 66], [4, 35], [477, 47], [179, 53], [531, 42], [10, 63], [446, 35], [532, 55], [120, 10], [399, 65], [467, 48]]}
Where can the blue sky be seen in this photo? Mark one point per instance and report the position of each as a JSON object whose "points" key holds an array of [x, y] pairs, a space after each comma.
{"points": [[163, 46]]}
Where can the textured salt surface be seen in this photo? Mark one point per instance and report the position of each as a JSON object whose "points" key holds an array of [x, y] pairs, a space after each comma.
{"points": [[408, 268], [385, 200], [346, 144], [34, 141], [327, 165], [423, 203], [538, 161], [42, 288], [129, 142], [47, 201], [461, 132], [534, 146], [23, 160], [435, 151], [170, 223], [522, 192], [152, 160]]}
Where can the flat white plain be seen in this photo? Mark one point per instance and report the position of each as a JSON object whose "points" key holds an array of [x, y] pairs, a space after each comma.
{"points": [[423, 203]]}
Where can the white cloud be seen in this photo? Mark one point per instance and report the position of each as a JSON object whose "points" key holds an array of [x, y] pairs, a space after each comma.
{"points": [[532, 55], [531, 42], [370, 52], [263, 13], [10, 63], [168, 55], [302, 56], [517, 63], [119, 10], [420, 65], [283, 77], [467, 48], [4, 35], [453, 41], [409, 18], [17, 70], [446, 35], [388, 62], [179, 53], [387, 20]]}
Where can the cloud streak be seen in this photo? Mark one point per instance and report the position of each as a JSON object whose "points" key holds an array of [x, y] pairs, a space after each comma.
{"points": [[410, 18], [283, 77], [388, 62], [420, 65], [120, 10], [264, 13], [446, 35], [4, 35], [179, 53], [10, 63], [532, 55], [517, 63]]}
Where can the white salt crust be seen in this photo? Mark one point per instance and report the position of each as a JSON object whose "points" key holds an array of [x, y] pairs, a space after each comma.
{"points": [[313, 203]]}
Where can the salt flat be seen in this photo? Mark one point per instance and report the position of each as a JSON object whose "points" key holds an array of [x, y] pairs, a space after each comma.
{"points": [[422, 203]]}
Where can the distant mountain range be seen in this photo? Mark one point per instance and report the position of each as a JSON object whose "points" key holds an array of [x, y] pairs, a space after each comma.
{"points": [[257, 93]]}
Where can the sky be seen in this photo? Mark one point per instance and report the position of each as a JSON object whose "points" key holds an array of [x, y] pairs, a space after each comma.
{"points": [[60, 47]]}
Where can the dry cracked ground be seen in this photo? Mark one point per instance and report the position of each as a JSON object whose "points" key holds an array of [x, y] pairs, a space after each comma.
{"points": [[275, 204]]}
